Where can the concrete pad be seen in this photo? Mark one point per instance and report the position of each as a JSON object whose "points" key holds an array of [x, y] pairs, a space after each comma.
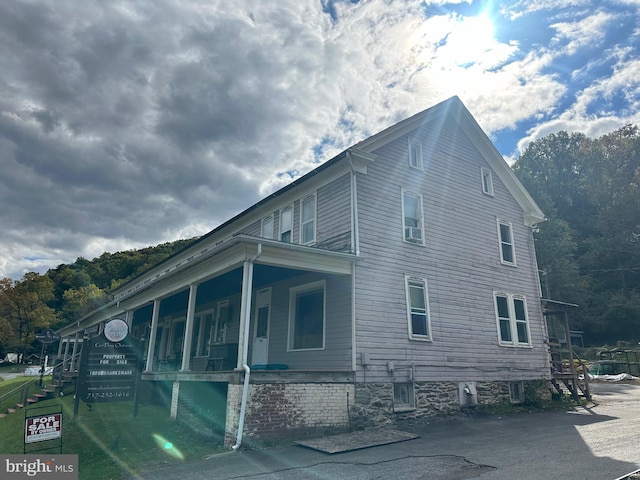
{"points": [[346, 442]]}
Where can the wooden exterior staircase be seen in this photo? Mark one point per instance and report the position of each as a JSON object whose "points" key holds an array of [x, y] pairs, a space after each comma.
{"points": [[27, 400], [567, 368], [59, 382]]}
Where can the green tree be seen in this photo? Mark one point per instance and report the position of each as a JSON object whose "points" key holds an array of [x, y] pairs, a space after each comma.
{"points": [[24, 310], [589, 247], [82, 301]]}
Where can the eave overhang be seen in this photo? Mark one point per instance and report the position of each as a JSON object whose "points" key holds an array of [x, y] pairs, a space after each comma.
{"points": [[222, 258]]}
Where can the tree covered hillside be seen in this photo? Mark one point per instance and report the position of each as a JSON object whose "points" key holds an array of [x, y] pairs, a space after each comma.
{"points": [[589, 248], [67, 293]]}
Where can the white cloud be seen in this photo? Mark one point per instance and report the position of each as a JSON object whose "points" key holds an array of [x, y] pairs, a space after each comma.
{"points": [[595, 111], [526, 7], [586, 31], [128, 124]]}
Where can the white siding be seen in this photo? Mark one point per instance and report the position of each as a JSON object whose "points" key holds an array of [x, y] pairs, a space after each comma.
{"points": [[460, 261], [334, 215], [337, 351]]}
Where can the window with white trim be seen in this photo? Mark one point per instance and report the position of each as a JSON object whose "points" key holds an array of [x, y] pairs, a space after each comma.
{"points": [[308, 220], [211, 327], [415, 154], [286, 224], [307, 316], [222, 318], [267, 227], [197, 325], [418, 308], [513, 320], [487, 181], [205, 319], [412, 221], [505, 236]]}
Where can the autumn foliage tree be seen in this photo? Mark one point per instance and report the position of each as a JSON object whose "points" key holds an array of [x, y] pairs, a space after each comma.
{"points": [[68, 292]]}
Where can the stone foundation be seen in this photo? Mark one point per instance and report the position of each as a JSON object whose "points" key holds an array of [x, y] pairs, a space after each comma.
{"points": [[374, 404], [294, 410]]}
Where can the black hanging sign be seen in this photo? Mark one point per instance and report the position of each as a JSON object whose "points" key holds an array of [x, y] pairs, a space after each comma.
{"points": [[109, 369]]}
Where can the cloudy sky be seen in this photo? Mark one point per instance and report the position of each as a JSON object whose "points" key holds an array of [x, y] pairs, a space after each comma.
{"points": [[125, 124]]}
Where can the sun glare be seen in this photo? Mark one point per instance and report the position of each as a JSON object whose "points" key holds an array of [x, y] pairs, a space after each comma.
{"points": [[167, 447], [471, 42]]}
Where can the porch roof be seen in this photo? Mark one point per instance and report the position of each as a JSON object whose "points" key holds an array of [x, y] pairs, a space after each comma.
{"points": [[221, 259]]}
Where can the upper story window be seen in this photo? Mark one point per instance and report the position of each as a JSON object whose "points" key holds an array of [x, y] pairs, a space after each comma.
{"points": [[487, 181], [307, 316], [412, 217], [507, 250], [415, 154], [267, 227], [308, 220], [286, 224], [418, 308], [513, 320]]}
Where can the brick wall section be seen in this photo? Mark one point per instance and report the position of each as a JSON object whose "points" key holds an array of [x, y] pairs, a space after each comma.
{"points": [[285, 410]]}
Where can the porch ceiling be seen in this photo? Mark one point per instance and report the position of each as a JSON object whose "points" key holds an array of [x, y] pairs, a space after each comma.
{"points": [[220, 270], [225, 285]]}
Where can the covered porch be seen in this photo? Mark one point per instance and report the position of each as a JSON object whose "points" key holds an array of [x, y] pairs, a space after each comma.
{"points": [[246, 320], [275, 309]]}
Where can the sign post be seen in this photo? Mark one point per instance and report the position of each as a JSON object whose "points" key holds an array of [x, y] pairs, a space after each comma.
{"points": [[46, 337]]}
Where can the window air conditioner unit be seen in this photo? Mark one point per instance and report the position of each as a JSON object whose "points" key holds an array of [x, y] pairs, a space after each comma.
{"points": [[413, 234]]}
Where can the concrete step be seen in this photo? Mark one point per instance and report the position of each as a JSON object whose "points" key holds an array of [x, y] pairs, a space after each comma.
{"points": [[32, 400], [19, 405], [40, 396], [11, 410], [2, 415]]}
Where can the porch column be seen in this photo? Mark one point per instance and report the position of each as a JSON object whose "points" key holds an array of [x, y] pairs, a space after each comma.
{"points": [[59, 348], [128, 317], [75, 349], [152, 336], [245, 312], [188, 328], [66, 353]]}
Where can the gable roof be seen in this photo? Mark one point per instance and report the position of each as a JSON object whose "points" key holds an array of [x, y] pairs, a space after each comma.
{"points": [[359, 155], [455, 108]]}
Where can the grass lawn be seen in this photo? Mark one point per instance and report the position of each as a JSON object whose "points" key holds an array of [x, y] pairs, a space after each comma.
{"points": [[109, 441]]}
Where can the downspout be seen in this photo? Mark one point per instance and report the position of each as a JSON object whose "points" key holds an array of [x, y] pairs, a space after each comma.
{"points": [[246, 292], [354, 208], [356, 250]]}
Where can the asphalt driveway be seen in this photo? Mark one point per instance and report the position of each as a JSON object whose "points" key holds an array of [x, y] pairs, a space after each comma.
{"points": [[600, 442]]}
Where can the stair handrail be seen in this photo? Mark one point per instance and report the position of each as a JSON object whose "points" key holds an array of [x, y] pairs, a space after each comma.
{"points": [[585, 376], [26, 384]]}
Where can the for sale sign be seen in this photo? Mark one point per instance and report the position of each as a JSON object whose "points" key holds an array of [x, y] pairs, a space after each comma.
{"points": [[109, 367], [43, 427]]}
